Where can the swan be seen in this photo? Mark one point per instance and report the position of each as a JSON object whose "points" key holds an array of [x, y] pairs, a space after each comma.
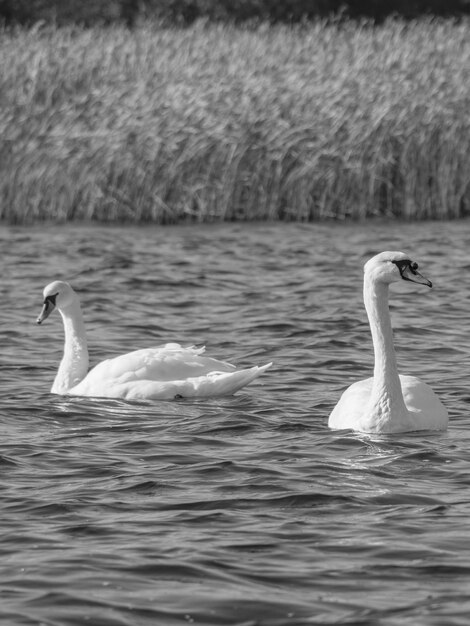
{"points": [[388, 402], [160, 373]]}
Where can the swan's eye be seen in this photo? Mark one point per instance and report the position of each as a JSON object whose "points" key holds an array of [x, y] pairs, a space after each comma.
{"points": [[413, 266]]}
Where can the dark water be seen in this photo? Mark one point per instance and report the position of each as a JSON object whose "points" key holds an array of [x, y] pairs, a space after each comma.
{"points": [[242, 510]]}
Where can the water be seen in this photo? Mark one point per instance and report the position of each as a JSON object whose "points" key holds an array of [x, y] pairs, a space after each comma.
{"points": [[240, 510]]}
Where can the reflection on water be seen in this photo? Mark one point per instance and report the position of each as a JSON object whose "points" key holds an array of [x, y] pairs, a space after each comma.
{"points": [[246, 509]]}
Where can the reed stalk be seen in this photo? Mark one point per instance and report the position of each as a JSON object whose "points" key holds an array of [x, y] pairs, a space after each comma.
{"points": [[218, 122]]}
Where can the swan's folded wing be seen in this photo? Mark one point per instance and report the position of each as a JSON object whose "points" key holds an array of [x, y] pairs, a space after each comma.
{"points": [[427, 411], [349, 411], [211, 385], [164, 363]]}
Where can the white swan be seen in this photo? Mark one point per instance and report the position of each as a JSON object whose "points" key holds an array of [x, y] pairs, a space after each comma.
{"points": [[159, 373], [388, 402]]}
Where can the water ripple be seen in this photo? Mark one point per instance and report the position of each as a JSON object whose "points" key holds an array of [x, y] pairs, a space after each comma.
{"points": [[247, 510]]}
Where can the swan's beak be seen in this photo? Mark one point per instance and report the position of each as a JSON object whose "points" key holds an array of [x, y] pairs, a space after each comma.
{"points": [[47, 309], [410, 274]]}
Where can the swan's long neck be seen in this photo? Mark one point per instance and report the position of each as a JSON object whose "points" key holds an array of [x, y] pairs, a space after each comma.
{"points": [[386, 402], [74, 365]]}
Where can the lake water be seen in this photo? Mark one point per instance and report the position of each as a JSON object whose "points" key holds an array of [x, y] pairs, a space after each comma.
{"points": [[242, 510]]}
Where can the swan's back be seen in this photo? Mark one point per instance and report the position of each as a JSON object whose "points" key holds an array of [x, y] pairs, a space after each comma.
{"points": [[163, 363]]}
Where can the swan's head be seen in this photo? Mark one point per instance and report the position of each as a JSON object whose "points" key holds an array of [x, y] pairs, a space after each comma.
{"points": [[391, 267], [57, 294]]}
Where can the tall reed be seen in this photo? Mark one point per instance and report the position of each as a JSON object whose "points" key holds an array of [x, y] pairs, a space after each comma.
{"points": [[218, 122]]}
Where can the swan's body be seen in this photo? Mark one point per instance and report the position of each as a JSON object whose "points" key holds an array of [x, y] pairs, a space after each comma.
{"points": [[160, 373], [387, 402]]}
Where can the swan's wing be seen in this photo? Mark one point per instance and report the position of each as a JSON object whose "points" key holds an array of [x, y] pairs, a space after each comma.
{"points": [[349, 411], [210, 385], [427, 411], [165, 363]]}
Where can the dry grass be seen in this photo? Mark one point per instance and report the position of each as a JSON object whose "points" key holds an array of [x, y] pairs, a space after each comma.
{"points": [[216, 122]]}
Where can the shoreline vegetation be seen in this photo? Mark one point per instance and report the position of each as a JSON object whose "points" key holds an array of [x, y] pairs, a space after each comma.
{"points": [[220, 122]]}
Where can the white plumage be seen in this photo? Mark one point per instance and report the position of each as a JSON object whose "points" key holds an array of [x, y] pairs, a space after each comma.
{"points": [[159, 373], [388, 402]]}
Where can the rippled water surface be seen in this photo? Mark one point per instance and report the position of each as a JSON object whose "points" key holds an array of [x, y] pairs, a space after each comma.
{"points": [[240, 510]]}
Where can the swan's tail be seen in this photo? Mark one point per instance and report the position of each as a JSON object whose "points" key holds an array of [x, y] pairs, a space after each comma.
{"points": [[227, 383]]}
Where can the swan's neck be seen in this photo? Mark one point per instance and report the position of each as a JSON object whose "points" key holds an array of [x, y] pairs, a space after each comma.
{"points": [[386, 402], [74, 365]]}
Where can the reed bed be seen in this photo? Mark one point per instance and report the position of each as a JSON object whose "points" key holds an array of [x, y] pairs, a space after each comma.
{"points": [[217, 122]]}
